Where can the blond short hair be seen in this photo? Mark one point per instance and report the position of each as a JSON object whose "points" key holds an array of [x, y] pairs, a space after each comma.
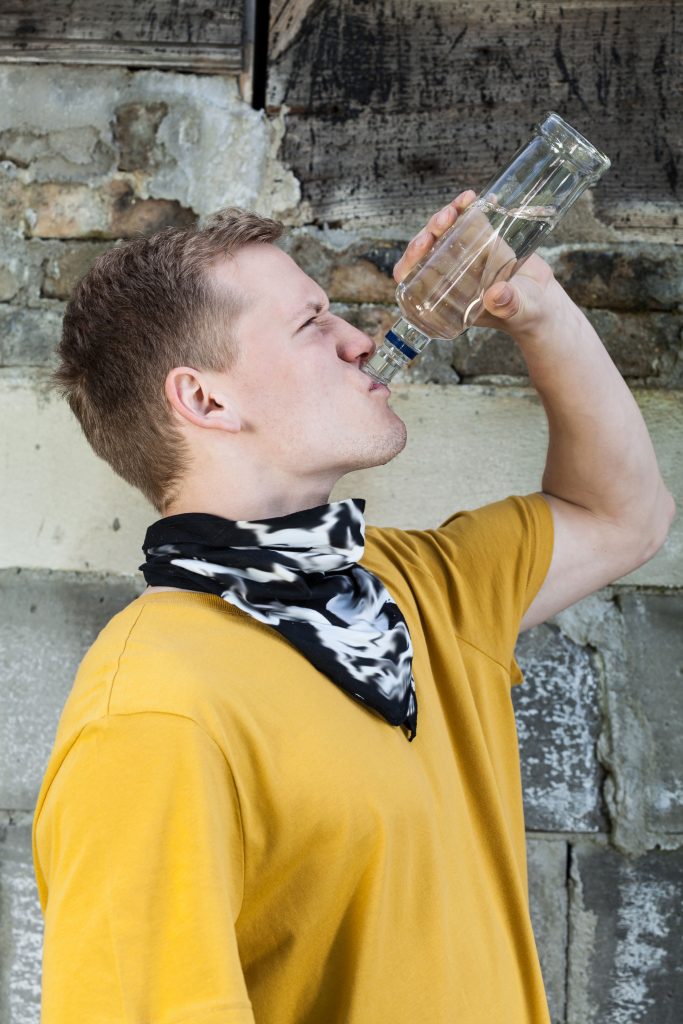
{"points": [[144, 307]]}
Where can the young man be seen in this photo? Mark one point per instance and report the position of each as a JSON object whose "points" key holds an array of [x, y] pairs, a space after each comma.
{"points": [[285, 786]]}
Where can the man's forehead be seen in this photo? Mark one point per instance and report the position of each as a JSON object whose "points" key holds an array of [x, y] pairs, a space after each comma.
{"points": [[269, 277]]}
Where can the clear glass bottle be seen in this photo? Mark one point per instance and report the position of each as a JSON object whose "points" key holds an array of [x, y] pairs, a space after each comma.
{"points": [[442, 295]]}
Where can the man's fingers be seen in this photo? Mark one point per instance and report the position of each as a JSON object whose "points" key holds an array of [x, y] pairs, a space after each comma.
{"points": [[461, 202], [442, 219], [437, 225], [415, 250]]}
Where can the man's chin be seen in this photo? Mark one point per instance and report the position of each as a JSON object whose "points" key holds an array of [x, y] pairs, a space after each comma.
{"points": [[380, 450], [400, 439]]}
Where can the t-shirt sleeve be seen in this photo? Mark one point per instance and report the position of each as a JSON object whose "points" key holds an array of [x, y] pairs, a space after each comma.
{"points": [[141, 853], [488, 564]]}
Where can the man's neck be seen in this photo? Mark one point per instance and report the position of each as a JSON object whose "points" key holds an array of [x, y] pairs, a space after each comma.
{"points": [[253, 500]]}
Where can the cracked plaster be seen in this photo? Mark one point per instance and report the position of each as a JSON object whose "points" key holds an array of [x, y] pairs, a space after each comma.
{"points": [[58, 124]]}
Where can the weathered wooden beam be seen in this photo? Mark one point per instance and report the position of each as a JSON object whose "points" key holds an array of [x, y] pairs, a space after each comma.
{"points": [[182, 34], [393, 105], [216, 60]]}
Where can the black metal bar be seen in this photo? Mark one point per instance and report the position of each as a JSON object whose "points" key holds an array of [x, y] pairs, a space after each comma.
{"points": [[260, 67]]}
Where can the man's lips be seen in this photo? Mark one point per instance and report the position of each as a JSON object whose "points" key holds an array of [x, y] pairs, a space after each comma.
{"points": [[375, 385]]}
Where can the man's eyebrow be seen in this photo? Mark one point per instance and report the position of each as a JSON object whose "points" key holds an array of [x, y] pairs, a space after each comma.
{"points": [[317, 307]]}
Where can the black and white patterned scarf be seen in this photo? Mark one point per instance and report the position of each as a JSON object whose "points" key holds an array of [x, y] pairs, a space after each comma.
{"points": [[299, 574]]}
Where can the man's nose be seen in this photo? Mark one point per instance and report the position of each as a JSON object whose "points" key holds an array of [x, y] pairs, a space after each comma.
{"points": [[353, 344]]}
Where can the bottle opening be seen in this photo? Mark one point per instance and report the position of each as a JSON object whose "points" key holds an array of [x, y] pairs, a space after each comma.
{"points": [[573, 145]]}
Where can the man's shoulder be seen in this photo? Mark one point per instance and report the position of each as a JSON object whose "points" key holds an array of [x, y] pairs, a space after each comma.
{"points": [[410, 551], [475, 572], [514, 516], [152, 656]]}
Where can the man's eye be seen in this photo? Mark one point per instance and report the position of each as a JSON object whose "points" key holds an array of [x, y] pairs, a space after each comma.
{"points": [[319, 321]]}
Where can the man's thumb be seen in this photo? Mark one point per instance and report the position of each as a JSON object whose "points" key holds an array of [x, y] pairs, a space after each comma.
{"points": [[502, 300]]}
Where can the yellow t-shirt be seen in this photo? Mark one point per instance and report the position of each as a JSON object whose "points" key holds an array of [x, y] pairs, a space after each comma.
{"points": [[224, 836]]}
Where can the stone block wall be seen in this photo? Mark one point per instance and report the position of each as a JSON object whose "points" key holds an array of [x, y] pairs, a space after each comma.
{"points": [[92, 154]]}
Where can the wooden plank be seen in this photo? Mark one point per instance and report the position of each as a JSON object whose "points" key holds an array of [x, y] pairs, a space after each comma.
{"points": [[394, 105], [216, 60], [185, 34]]}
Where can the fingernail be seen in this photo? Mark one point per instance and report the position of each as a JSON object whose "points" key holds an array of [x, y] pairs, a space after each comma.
{"points": [[443, 217], [504, 297]]}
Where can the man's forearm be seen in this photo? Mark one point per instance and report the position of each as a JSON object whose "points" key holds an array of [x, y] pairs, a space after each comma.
{"points": [[600, 455]]}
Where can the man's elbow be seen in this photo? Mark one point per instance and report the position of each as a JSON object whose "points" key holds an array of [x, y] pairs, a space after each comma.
{"points": [[665, 515]]}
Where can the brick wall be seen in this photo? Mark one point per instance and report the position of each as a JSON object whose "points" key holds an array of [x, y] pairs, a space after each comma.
{"points": [[91, 154]]}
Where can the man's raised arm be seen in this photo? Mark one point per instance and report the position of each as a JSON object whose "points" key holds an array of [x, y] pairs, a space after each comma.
{"points": [[611, 508]]}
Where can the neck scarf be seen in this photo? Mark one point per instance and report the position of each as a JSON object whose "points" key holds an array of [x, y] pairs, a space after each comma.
{"points": [[299, 574]]}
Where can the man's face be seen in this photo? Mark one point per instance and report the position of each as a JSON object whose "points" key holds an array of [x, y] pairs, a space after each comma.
{"points": [[297, 384]]}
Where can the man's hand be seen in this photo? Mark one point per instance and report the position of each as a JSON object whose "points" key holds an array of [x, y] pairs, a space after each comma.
{"points": [[521, 306], [437, 225]]}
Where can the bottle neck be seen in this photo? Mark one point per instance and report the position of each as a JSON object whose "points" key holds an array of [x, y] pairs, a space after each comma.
{"points": [[401, 344]]}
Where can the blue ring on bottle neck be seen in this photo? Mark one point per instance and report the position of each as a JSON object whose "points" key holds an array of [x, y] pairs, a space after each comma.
{"points": [[400, 345]]}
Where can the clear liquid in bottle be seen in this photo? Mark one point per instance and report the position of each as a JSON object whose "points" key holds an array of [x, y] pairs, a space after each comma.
{"points": [[442, 295]]}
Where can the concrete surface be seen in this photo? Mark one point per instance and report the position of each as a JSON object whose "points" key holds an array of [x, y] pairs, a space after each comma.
{"points": [[467, 446]]}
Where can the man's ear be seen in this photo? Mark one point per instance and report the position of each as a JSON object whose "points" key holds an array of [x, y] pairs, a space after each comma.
{"points": [[195, 397]]}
